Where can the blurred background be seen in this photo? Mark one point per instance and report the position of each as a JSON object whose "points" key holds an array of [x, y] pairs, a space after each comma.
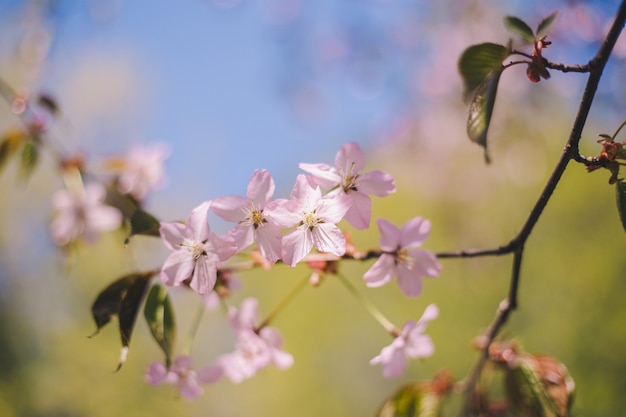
{"points": [[235, 85]]}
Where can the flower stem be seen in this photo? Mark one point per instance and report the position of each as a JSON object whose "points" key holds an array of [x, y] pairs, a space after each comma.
{"points": [[283, 303], [371, 308], [195, 325]]}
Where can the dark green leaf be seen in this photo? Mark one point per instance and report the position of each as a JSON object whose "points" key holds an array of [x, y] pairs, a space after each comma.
{"points": [[545, 25], [30, 156], [130, 305], [519, 27], [9, 145], [122, 298], [620, 194], [143, 223], [481, 109], [160, 317], [478, 62]]}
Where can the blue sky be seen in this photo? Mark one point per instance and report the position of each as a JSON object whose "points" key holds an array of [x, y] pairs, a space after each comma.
{"points": [[232, 89]]}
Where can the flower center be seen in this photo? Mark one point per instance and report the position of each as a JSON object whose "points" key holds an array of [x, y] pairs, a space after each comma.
{"points": [[349, 179]]}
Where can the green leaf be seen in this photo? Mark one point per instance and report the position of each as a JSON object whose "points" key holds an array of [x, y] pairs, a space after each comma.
{"points": [[9, 145], [540, 386], [414, 400], [123, 298], [545, 26], [160, 317], [481, 109], [620, 194], [519, 27], [143, 223], [29, 158], [478, 62]]}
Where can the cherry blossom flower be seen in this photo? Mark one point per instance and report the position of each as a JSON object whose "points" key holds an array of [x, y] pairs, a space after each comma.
{"points": [[81, 213], [253, 215], [315, 218], [254, 350], [411, 343], [196, 252], [346, 177], [180, 374], [143, 170], [402, 258]]}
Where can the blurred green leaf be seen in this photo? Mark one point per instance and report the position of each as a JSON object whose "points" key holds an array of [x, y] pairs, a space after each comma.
{"points": [[414, 400], [539, 386], [160, 317], [122, 298], [620, 194], [481, 109], [518, 26], [143, 223], [29, 158], [10, 144], [478, 62], [545, 26]]}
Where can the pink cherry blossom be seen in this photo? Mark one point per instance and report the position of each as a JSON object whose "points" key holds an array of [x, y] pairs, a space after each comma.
{"points": [[346, 177], [81, 213], [402, 258], [411, 343], [143, 170], [196, 252], [253, 215], [315, 220], [254, 350], [180, 374]]}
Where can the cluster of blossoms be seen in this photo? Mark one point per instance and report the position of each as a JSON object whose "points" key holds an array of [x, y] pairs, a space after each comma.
{"points": [[287, 230], [80, 209]]}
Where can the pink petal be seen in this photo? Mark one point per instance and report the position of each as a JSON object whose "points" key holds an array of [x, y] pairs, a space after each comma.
{"points": [[324, 175], [222, 247], [198, 221], [284, 213], [381, 272], [189, 389], [327, 237], [389, 235], [332, 209], [204, 276], [305, 190], [410, 283], [210, 374], [104, 218], [156, 374], [172, 234], [177, 267], [378, 183], [419, 346], [414, 232], [269, 240], [425, 263], [350, 159], [360, 212], [230, 208], [261, 187], [296, 245], [247, 316]]}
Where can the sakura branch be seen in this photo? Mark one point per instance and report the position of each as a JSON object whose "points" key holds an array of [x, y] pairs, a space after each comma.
{"points": [[516, 246]]}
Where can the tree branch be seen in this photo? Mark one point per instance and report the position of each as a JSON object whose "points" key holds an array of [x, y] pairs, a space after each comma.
{"points": [[571, 151]]}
